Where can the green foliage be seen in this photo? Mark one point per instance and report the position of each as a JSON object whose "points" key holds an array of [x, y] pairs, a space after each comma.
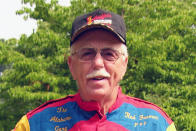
{"points": [[162, 57]]}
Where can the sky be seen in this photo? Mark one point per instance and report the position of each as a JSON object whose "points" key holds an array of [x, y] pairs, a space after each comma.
{"points": [[12, 25]]}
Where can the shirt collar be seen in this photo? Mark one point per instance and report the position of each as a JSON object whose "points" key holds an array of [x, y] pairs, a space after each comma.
{"points": [[94, 106]]}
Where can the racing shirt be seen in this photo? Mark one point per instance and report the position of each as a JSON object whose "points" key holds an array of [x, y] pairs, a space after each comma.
{"points": [[73, 114]]}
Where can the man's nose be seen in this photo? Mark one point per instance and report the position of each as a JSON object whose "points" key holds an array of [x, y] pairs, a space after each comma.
{"points": [[98, 61]]}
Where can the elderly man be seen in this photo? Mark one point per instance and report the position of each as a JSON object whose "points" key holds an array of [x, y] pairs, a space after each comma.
{"points": [[98, 62]]}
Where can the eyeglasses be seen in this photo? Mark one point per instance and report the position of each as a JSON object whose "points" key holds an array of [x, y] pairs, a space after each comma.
{"points": [[88, 54]]}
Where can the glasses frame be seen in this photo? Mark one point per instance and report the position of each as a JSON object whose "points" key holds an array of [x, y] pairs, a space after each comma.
{"points": [[119, 53]]}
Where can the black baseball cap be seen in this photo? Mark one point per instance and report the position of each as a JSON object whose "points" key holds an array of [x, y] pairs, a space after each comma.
{"points": [[99, 19]]}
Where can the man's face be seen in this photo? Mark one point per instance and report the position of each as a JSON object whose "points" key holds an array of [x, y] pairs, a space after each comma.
{"points": [[97, 78]]}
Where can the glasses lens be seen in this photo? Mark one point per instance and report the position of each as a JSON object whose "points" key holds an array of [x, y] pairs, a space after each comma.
{"points": [[87, 54], [109, 54]]}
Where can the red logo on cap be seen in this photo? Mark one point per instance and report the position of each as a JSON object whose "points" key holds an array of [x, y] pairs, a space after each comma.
{"points": [[89, 20], [99, 19]]}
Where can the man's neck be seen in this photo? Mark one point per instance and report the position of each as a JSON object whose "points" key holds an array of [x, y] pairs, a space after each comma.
{"points": [[104, 102], [107, 102]]}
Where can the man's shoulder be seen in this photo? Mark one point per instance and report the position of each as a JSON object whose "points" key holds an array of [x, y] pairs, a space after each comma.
{"points": [[51, 104], [140, 103], [145, 106]]}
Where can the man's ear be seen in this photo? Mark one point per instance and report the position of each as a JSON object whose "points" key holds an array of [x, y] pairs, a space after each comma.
{"points": [[71, 68], [126, 60], [124, 69]]}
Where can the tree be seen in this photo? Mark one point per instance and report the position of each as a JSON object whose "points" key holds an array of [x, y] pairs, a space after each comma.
{"points": [[162, 57]]}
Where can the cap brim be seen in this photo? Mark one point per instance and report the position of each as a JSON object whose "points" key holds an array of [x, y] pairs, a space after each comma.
{"points": [[95, 26]]}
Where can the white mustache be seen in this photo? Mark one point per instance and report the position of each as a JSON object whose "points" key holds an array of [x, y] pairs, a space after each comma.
{"points": [[96, 73]]}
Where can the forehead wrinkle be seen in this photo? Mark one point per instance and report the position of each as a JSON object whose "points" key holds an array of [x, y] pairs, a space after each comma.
{"points": [[97, 46]]}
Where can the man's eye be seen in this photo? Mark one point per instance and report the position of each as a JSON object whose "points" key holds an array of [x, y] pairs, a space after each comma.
{"points": [[87, 53], [108, 54]]}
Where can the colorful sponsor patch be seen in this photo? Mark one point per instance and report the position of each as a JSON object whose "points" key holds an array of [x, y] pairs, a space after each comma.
{"points": [[101, 19]]}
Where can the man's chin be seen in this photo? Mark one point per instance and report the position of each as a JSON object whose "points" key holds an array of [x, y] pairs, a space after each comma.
{"points": [[97, 95]]}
